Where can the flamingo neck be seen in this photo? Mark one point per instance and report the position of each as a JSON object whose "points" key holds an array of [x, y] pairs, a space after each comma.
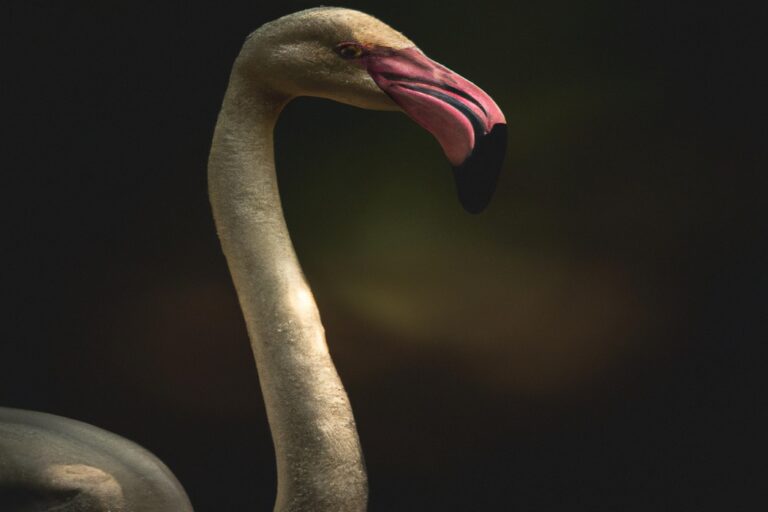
{"points": [[319, 460]]}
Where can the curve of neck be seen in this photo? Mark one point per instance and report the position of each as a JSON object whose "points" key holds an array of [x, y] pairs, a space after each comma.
{"points": [[319, 460]]}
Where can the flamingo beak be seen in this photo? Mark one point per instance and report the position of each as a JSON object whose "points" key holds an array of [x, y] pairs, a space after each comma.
{"points": [[466, 122]]}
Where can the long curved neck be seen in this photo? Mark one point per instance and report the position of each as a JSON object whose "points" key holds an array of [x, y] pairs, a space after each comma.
{"points": [[319, 460]]}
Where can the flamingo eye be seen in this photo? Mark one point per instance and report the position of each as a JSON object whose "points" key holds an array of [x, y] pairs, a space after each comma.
{"points": [[349, 50]]}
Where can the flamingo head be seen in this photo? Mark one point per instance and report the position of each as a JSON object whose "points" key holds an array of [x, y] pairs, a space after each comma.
{"points": [[354, 58]]}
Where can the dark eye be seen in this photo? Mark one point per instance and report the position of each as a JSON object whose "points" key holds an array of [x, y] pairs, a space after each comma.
{"points": [[349, 50]]}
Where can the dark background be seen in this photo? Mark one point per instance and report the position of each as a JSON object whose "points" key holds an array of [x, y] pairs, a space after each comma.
{"points": [[589, 343]]}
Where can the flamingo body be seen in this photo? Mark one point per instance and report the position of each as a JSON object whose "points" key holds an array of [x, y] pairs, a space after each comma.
{"points": [[334, 53]]}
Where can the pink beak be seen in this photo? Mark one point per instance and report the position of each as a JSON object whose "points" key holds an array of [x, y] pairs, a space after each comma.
{"points": [[466, 122]]}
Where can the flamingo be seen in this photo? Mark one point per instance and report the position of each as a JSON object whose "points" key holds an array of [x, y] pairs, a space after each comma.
{"points": [[333, 53]]}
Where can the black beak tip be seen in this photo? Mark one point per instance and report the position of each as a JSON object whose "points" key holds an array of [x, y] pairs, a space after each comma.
{"points": [[476, 177]]}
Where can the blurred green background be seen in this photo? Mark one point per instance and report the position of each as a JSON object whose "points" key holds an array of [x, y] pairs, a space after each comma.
{"points": [[588, 343]]}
